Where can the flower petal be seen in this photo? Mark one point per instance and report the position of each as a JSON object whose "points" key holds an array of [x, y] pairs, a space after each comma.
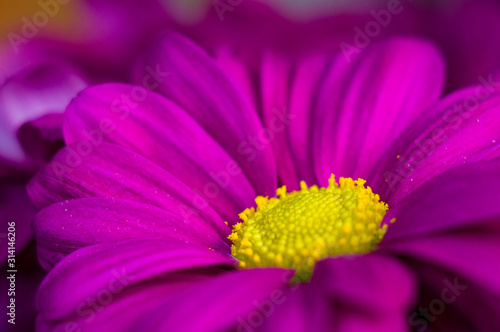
{"points": [[303, 308], [67, 226], [220, 303], [466, 33], [163, 132], [309, 74], [276, 72], [364, 104], [196, 83], [448, 232], [233, 64], [41, 138], [462, 128], [464, 197], [113, 171], [457, 269], [112, 285], [370, 292]]}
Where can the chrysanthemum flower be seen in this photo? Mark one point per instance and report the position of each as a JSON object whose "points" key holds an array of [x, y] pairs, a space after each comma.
{"points": [[141, 210]]}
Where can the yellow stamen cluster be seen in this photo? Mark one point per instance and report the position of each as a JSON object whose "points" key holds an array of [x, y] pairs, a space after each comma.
{"points": [[296, 229]]}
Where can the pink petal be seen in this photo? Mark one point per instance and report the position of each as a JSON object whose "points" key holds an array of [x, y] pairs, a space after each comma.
{"points": [[67, 226], [462, 128], [113, 171], [237, 70], [220, 303], [464, 197], [163, 132], [192, 79], [457, 269], [109, 286], [447, 232], [308, 76], [275, 77], [366, 101], [304, 308], [370, 292]]}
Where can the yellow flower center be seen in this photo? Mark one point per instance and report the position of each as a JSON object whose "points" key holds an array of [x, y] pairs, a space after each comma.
{"points": [[296, 229]]}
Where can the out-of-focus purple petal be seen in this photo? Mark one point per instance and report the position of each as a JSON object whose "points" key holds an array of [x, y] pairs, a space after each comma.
{"points": [[113, 171], [15, 207], [221, 303], [118, 283], [118, 30], [41, 138], [466, 33], [462, 128], [496, 76], [35, 91], [157, 128], [184, 73], [370, 292], [67, 226], [254, 26], [368, 99]]}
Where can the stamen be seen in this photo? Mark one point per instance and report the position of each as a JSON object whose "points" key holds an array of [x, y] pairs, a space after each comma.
{"points": [[296, 229]]}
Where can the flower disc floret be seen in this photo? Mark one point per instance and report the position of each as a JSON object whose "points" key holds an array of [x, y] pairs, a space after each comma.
{"points": [[296, 229]]}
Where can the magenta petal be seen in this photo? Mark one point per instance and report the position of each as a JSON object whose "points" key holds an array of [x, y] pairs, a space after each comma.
{"points": [[221, 303], [302, 309], [465, 197], [463, 128], [459, 268], [163, 132], [306, 82], [113, 171], [196, 83], [109, 286], [364, 104], [447, 231], [444, 289], [276, 72], [371, 292], [384, 282], [67, 226], [237, 70]]}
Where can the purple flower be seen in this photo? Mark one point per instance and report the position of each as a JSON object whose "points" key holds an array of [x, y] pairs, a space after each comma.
{"points": [[134, 208]]}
